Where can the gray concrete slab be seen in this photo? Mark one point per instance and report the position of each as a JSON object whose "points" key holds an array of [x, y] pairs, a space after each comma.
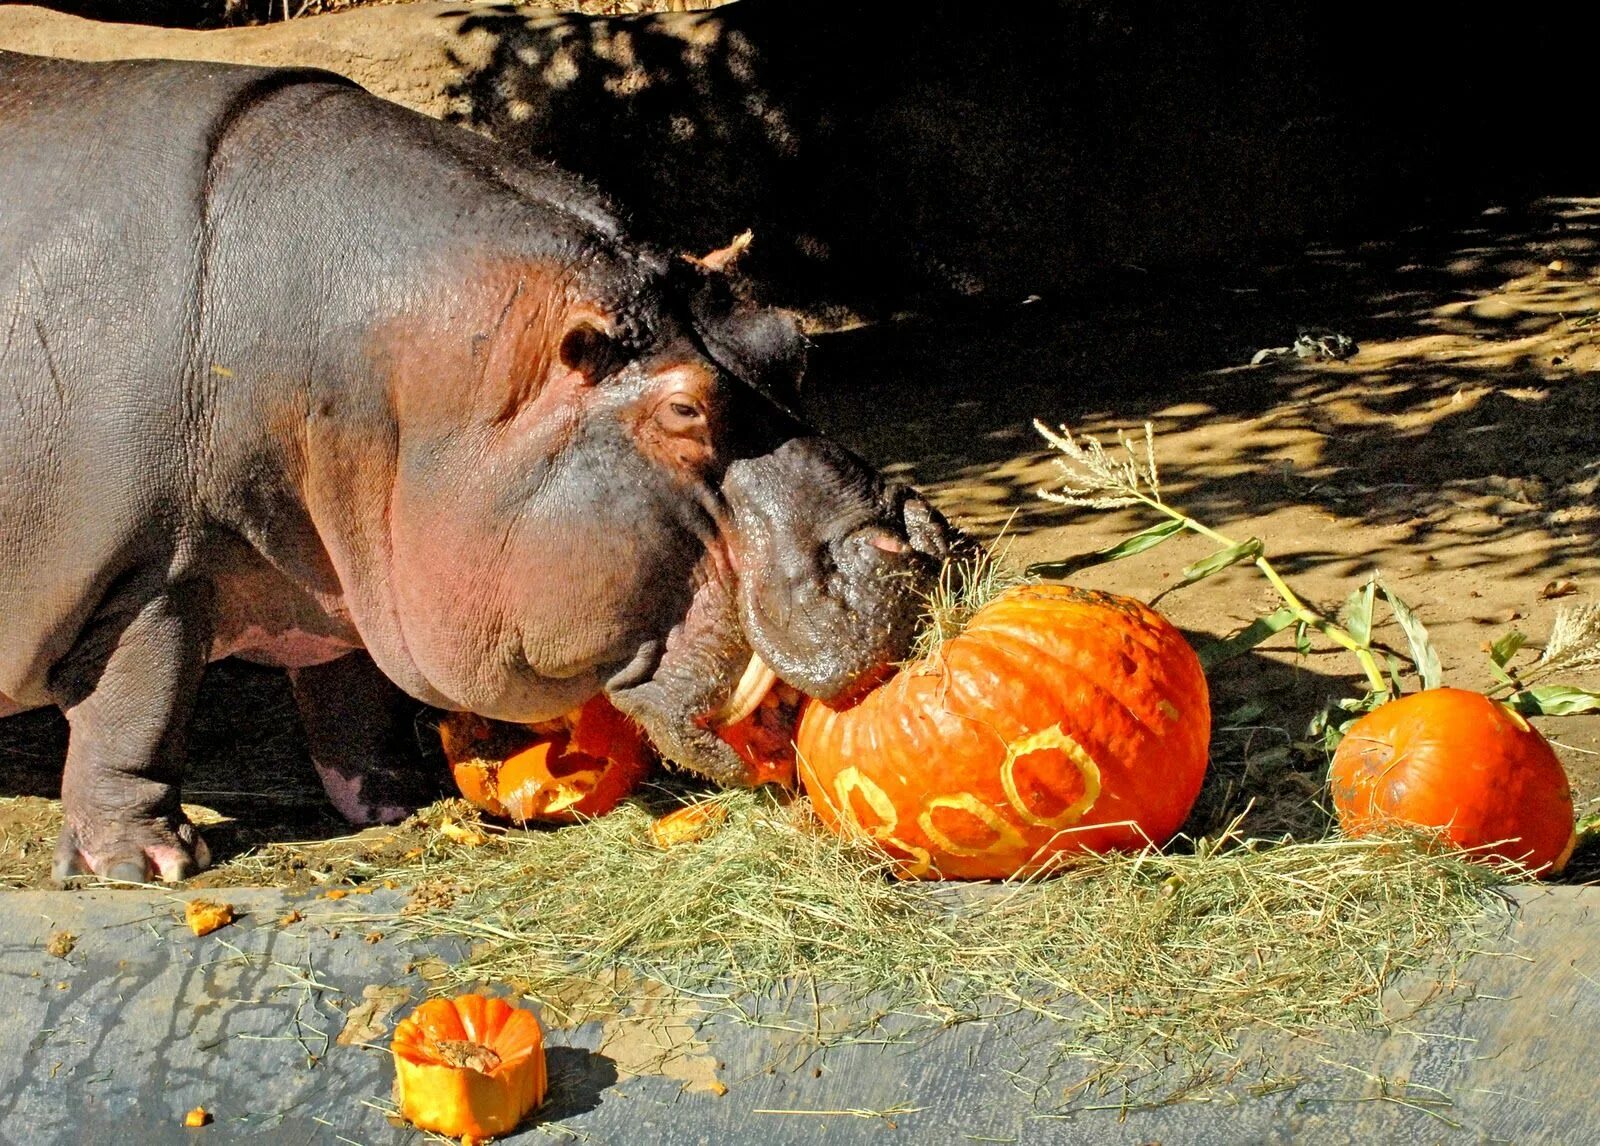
{"points": [[141, 1021]]}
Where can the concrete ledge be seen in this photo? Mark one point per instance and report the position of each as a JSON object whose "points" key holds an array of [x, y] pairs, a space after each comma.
{"points": [[141, 1021]]}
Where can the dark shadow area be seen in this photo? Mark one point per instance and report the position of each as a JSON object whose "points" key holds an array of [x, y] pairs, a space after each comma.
{"points": [[578, 1081], [1452, 402], [248, 762], [893, 157], [198, 14]]}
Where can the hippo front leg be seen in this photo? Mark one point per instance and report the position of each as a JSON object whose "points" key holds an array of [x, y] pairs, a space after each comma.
{"points": [[679, 703], [128, 689], [360, 728]]}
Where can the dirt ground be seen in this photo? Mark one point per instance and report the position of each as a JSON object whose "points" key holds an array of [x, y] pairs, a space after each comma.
{"points": [[1455, 454]]}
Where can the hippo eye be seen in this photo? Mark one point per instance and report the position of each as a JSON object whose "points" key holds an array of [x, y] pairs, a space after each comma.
{"points": [[682, 417]]}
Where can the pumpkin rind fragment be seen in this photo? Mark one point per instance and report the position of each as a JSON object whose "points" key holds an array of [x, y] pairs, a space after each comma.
{"points": [[1058, 720], [438, 1092], [1463, 764], [583, 764]]}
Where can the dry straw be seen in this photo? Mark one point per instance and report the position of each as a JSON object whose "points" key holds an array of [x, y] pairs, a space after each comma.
{"points": [[1157, 953]]}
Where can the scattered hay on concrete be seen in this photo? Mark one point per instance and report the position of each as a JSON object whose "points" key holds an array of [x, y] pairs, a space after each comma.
{"points": [[1182, 950]]}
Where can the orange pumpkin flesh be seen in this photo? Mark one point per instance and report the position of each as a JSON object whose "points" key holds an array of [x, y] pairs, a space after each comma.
{"points": [[1459, 762], [1059, 720], [584, 764], [765, 738], [687, 825], [468, 1067]]}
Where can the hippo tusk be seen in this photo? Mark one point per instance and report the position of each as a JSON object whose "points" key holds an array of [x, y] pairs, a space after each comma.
{"points": [[748, 694]]}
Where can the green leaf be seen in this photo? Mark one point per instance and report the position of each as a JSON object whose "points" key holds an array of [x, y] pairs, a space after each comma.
{"points": [[1127, 547], [1392, 664], [1244, 551], [1357, 613], [1554, 700], [1423, 654], [1506, 647], [1302, 639], [1259, 630]]}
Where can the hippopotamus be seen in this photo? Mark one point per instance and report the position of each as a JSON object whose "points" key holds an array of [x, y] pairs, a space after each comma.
{"points": [[292, 374]]}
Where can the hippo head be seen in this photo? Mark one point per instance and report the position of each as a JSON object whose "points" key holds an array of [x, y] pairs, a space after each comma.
{"points": [[600, 484]]}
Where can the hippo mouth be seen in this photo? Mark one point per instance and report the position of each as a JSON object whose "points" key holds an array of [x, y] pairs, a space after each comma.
{"points": [[754, 686]]}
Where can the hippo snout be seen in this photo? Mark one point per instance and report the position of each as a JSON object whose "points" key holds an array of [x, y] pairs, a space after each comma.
{"points": [[834, 563]]}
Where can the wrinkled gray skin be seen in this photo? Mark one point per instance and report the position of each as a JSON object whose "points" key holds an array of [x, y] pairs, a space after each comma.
{"points": [[291, 374]]}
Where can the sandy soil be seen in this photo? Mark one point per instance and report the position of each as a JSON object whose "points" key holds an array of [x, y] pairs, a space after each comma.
{"points": [[1455, 454]]}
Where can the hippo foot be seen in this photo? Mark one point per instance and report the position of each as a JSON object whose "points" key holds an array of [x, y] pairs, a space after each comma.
{"points": [[131, 852], [374, 790], [362, 733]]}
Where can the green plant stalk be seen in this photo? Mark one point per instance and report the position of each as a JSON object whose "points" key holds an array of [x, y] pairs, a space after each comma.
{"points": [[1303, 612]]}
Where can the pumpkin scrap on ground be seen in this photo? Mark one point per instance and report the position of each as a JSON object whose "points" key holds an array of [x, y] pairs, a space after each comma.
{"points": [[204, 916], [1058, 720], [1464, 764], [688, 825], [468, 1067], [584, 764], [197, 1117]]}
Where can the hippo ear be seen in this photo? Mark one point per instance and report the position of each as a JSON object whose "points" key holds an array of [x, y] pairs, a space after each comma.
{"points": [[762, 348], [590, 347]]}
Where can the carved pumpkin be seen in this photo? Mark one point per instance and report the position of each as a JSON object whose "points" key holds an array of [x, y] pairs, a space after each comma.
{"points": [[1457, 761], [583, 764], [1059, 720], [468, 1067]]}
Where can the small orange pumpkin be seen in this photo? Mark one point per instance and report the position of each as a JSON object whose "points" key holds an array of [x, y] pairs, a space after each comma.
{"points": [[1058, 720], [584, 764], [468, 1067], [1460, 762]]}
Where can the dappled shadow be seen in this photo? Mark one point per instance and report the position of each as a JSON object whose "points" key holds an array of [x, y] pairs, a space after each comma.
{"points": [[890, 157], [887, 156], [1469, 415]]}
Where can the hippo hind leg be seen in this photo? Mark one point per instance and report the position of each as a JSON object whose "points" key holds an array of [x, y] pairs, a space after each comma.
{"points": [[128, 689], [361, 731]]}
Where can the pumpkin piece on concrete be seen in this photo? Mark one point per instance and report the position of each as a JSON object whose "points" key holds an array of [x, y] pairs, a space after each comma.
{"points": [[1059, 720], [468, 1067], [204, 916], [1460, 763], [582, 765]]}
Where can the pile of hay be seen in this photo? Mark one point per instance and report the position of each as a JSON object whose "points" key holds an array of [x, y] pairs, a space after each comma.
{"points": [[1142, 953]]}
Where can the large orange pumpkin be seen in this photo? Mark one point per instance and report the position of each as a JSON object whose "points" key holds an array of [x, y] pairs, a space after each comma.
{"points": [[469, 1067], [1459, 762], [584, 764], [1059, 720]]}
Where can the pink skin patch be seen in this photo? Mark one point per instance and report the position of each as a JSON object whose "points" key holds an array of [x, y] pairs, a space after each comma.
{"points": [[8, 707], [166, 861], [344, 791], [289, 649]]}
